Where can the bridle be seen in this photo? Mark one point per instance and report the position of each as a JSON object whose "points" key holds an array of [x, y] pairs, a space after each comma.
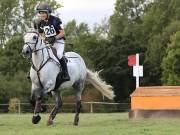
{"points": [[35, 44]]}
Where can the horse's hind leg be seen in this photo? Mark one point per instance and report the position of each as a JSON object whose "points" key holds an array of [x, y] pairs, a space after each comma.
{"points": [[79, 87], [56, 108], [78, 109]]}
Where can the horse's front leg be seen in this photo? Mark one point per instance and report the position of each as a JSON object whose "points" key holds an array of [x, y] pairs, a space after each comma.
{"points": [[36, 117], [56, 108], [36, 101]]}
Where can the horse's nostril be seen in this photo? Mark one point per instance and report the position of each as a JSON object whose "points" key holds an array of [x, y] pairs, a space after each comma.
{"points": [[27, 52]]}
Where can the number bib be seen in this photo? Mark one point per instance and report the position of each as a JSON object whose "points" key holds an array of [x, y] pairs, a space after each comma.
{"points": [[49, 31]]}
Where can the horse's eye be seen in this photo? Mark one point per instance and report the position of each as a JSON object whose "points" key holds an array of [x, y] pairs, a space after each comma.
{"points": [[35, 37]]}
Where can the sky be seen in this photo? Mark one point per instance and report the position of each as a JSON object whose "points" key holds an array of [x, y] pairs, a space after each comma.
{"points": [[88, 11]]}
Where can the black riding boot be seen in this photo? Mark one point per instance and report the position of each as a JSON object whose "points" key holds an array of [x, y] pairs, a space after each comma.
{"points": [[65, 75]]}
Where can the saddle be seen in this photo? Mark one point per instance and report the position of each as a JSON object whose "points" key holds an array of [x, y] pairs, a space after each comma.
{"points": [[55, 53]]}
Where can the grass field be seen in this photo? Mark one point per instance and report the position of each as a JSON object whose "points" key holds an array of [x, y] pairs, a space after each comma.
{"points": [[90, 124]]}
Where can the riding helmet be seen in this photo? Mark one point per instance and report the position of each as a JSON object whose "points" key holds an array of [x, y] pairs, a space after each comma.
{"points": [[44, 7]]}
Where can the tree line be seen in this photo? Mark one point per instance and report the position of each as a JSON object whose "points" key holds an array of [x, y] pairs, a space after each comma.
{"points": [[151, 28]]}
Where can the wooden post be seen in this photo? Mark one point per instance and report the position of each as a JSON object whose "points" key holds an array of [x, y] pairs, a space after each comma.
{"points": [[91, 109], [19, 107]]}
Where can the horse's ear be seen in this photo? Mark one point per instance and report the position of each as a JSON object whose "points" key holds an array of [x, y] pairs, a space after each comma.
{"points": [[26, 27]]}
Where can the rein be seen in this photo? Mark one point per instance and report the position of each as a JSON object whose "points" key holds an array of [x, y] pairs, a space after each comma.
{"points": [[43, 63], [42, 49]]}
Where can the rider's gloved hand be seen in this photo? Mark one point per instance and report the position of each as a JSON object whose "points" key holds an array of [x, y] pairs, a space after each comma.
{"points": [[50, 40]]}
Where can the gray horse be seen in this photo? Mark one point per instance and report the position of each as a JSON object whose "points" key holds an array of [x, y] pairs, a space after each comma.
{"points": [[45, 74]]}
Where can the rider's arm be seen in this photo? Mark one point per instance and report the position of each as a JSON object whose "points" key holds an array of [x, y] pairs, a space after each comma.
{"points": [[61, 34], [60, 28]]}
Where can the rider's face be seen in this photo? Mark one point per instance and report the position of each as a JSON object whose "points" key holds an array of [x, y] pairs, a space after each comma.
{"points": [[43, 15]]}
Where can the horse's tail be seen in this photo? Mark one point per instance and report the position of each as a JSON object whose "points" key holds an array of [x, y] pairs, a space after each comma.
{"points": [[105, 89]]}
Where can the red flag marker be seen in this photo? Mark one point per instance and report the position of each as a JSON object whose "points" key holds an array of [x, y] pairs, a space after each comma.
{"points": [[131, 60]]}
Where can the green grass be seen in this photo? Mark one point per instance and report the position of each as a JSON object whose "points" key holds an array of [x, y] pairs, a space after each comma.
{"points": [[90, 124]]}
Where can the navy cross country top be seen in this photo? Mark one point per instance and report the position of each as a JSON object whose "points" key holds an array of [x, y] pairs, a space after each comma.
{"points": [[49, 28]]}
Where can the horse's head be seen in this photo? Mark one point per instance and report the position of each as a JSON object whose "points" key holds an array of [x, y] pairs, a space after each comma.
{"points": [[32, 40]]}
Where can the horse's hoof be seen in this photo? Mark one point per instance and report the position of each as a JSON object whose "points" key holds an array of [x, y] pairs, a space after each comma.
{"points": [[50, 122], [36, 119], [76, 121]]}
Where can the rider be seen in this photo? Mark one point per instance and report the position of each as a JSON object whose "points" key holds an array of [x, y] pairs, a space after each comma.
{"points": [[50, 27]]}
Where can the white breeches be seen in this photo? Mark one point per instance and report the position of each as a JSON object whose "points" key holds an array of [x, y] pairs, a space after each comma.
{"points": [[59, 45]]}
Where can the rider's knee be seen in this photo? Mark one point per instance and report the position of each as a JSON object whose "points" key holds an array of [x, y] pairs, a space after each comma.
{"points": [[60, 55]]}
